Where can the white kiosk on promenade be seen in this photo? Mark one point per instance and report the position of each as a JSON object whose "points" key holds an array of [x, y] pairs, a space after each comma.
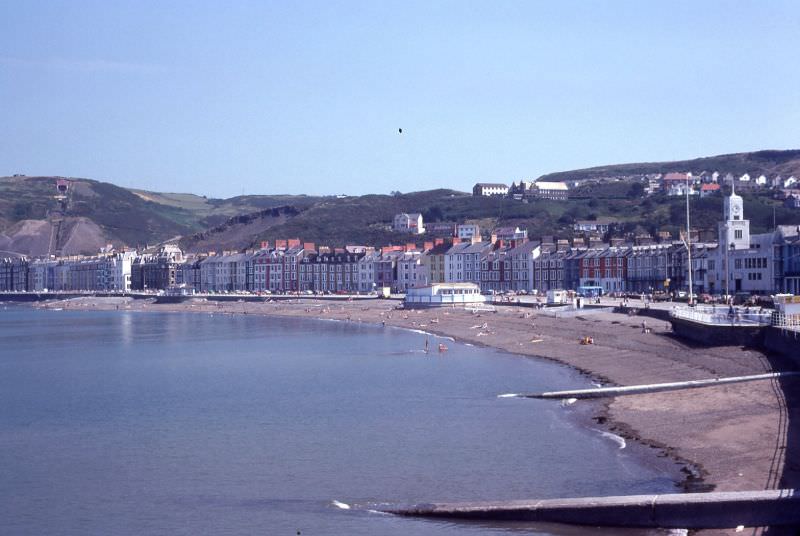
{"points": [[445, 294]]}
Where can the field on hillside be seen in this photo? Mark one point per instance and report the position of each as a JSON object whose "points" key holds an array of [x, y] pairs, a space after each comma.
{"points": [[29, 205]]}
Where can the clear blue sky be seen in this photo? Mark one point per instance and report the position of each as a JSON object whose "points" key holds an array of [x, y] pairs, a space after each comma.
{"points": [[220, 98]]}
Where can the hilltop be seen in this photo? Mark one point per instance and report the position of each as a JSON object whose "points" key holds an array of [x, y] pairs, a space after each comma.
{"points": [[756, 163], [37, 219]]}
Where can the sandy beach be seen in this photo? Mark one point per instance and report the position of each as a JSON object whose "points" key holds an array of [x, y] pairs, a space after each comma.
{"points": [[727, 438]]}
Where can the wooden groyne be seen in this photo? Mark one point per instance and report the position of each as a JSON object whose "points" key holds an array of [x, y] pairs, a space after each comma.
{"points": [[686, 511]]}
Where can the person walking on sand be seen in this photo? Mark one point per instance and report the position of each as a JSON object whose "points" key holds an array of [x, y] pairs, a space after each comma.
{"points": [[644, 326]]}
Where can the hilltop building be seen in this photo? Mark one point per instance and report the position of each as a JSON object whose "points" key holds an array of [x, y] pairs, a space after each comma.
{"points": [[539, 190], [488, 189], [558, 191]]}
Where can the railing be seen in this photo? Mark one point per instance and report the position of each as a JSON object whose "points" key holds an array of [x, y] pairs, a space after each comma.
{"points": [[724, 316], [784, 321]]}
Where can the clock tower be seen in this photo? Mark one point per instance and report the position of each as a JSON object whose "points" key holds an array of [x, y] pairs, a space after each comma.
{"points": [[734, 232]]}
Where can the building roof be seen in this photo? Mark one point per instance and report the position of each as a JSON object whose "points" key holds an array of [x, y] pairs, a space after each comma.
{"points": [[709, 187], [600, 221], [545, 185], [477, 247], [675, 177], [526, 248], [492, 185]]}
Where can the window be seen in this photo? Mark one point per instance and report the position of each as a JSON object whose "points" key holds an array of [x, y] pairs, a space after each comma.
{"points": [[737, 233]]}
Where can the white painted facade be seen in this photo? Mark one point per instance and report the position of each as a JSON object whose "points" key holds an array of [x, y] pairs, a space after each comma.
{"points": [[745, 261]]}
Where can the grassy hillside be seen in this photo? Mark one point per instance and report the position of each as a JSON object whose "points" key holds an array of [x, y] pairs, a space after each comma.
{"points": [[31, 205], [210, 212], [34, 221], [770, 163], [367, 219]]}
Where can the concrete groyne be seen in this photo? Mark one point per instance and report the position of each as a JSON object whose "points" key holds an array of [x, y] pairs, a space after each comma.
{"points": [[605, 392], [686, 511]]}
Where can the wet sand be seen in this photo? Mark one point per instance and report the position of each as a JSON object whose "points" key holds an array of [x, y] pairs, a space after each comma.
{"points": [[729, 437]]}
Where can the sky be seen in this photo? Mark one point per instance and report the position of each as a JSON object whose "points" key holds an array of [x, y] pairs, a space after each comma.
{"points": [[307, 97]]}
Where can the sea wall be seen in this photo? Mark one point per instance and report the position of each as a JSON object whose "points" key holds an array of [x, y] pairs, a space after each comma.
{"points": [[718, 335], [783, 341]]}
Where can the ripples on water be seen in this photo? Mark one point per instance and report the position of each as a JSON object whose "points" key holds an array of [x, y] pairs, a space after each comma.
{"points": [[126, 423]]}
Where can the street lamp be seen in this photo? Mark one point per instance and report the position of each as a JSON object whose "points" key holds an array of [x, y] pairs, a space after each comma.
{"points": [[689, 241]]}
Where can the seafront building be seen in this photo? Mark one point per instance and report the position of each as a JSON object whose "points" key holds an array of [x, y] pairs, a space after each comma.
{"points": [[742, 262], [737, 262]]}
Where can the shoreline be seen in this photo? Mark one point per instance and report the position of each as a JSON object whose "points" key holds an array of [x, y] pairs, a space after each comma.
{"points": [[725, 438]]}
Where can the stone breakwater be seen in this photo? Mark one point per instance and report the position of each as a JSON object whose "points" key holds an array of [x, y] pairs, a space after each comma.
{"points": [[735, 437]]}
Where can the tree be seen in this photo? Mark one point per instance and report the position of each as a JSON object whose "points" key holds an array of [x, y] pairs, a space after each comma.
{"points": [[636, 190]]}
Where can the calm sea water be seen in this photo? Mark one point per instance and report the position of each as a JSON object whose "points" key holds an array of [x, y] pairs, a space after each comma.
{"points": [[126, 423]]}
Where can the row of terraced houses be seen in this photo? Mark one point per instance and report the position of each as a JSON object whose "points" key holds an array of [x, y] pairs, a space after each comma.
{"points": [[509, 261]]}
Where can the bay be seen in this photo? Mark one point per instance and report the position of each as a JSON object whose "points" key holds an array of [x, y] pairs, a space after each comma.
{"points": [[131, 423]]}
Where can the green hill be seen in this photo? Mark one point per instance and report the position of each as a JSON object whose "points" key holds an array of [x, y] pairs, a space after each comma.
{"points": [[769, 163], [36, 220]]}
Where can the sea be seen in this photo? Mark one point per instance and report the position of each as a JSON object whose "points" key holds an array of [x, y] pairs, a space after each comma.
{"points": [[140, 423]]}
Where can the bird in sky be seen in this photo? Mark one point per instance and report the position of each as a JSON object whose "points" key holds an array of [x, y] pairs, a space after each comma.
{"points": [[400, 130]]}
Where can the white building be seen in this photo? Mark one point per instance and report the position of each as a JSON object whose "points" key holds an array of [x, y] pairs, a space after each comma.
{"points": [[680, 188], [468, 231], [522, 260], [366, 271], [408, 223], [410, 271], [487, 189], [444, 294], [463, 262], [743, 262], [550, 190]]}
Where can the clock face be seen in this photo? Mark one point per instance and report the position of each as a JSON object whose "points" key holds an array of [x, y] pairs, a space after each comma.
{"points": [[735, 209]]}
